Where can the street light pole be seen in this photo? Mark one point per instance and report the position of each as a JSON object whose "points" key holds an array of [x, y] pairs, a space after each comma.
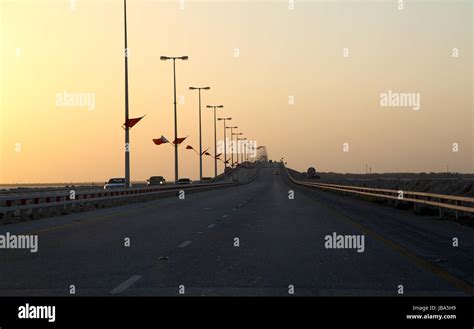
{"points": [[176, 175], [200, 131], [237, 141], [240, 148], [127, 129], [241, 153], [231, 143], [225, 140], [215, 136], [245, 151], [250, 148], [184, 58]]}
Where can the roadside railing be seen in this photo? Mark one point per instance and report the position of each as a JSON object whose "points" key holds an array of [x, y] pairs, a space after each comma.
{"points": [[36, 204], [42, 204], [442, 201]]}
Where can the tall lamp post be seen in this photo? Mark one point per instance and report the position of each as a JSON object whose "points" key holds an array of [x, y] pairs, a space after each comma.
{"points": [[231, 143], [237, 140], [245, 150], [127, 129], [241, 153], [225, 140], [215, 136], [200, 131], [244, 154], [250, 148], [184, 58]]}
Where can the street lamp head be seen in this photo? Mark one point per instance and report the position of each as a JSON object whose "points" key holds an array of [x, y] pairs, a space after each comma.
{"points": [[164, 58], [203, 88]]}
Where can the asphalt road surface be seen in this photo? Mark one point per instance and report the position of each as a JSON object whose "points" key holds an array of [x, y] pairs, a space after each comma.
{"points": [[190, 246]]}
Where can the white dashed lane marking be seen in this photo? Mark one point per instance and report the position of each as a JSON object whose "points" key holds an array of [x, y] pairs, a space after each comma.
{"points": [[126, 284], [184, 244], [211, 226]]}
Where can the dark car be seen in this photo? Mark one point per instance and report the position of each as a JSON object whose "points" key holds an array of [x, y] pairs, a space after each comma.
{"points": [[184, 181], [115, 183], [156, 180]]}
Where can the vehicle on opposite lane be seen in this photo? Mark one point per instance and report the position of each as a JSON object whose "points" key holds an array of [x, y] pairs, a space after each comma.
{"points": [[115, 183], [156, 180]]}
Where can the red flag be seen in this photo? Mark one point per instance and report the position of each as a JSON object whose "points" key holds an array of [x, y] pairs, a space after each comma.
{"points": [[189, 147], [161, 140], [178, 141], [131, 122]]}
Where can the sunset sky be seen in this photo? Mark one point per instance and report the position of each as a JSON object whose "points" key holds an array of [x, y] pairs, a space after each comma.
{"points": [[48, 47]]}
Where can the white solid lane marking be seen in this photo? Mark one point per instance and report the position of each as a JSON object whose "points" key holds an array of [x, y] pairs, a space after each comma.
{"points": [[184, 244], [126, 284], [211, 226]]}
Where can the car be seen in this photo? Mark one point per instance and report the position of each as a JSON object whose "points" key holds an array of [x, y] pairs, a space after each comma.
{"points": [[156, 180], [115, 183], [276, 172], [184, 181]]}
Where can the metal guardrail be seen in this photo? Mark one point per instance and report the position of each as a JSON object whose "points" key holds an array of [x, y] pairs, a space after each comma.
{"points": [[44, 203], [8, 200], [443, 200]]}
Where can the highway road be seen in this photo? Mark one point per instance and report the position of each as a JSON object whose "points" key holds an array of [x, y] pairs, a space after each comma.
{"points": [[191, 242]]}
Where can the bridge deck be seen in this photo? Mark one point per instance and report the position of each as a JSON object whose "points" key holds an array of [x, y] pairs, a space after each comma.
{"points": [[282, 242]]}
